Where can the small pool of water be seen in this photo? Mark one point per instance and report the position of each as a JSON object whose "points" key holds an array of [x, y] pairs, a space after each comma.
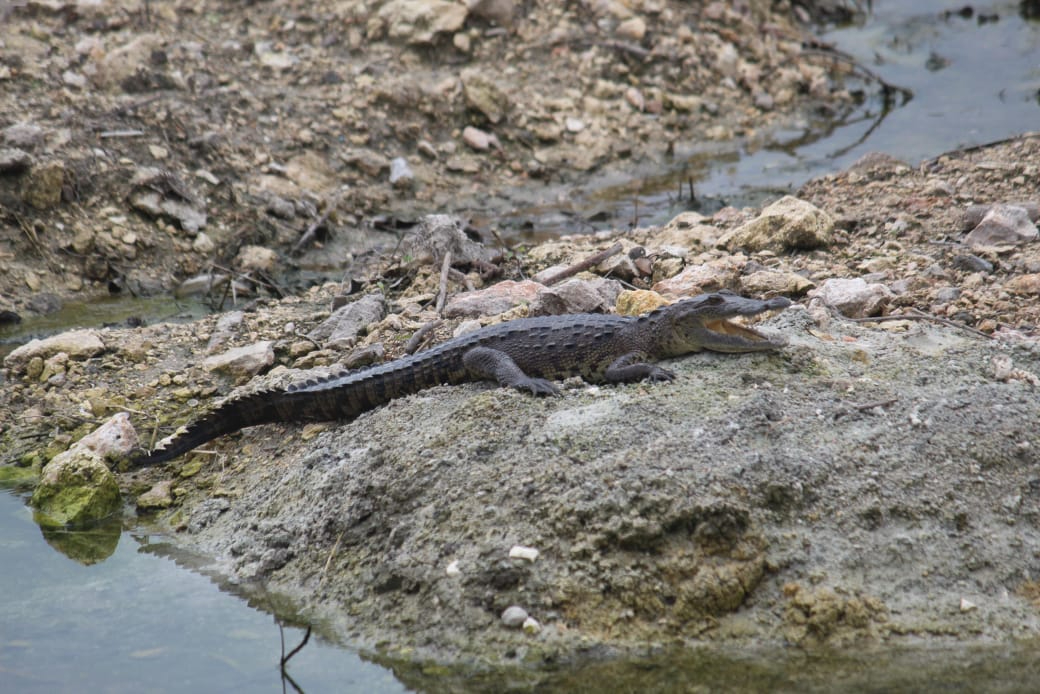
{"points": [[134, 621]]}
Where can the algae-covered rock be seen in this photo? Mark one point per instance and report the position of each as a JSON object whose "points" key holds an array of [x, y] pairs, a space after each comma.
{"points": [[76, 488]]}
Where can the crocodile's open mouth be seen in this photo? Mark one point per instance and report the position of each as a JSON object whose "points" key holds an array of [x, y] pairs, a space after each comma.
{"points": [[727, 327]]}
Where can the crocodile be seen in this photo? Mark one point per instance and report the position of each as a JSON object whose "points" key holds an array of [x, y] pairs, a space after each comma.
{"points": [[526, 354]]}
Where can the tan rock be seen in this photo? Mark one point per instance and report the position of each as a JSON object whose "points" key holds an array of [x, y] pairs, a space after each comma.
{"points": [[1025, 284], [256, 258], [43, 185], [769, 282], [788, 224], [636, 302], [697, 279], [495, 299]]}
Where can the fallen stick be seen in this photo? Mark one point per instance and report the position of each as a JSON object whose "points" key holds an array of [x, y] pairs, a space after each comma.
{"points": [[592, 260]]}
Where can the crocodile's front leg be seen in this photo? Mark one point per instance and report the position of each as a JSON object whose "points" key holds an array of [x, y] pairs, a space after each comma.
{"points": [[488, 363], [631, 367]]}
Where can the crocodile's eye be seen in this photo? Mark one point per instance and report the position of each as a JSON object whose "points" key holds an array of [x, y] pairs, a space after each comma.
{"points": [[713, 300]]}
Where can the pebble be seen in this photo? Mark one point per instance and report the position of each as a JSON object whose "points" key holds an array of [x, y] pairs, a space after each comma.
{"points": [[514, 616], [401, 175], [972, 263], [453, 568], [633, 29], [14, 160], [1003, 225], [478, 139], [854, 298], [522, 552], [531, 626]]}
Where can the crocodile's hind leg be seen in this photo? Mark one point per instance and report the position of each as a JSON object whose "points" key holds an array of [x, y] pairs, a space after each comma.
{"points": [[631, 367], [493, 364]]}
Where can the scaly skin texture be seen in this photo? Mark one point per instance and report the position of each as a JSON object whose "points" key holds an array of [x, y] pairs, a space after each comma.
{"points": [[526, 354]]}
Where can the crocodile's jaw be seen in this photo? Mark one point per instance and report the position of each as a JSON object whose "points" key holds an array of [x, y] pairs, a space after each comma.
{"points": [[704, 323], [721, 335]]}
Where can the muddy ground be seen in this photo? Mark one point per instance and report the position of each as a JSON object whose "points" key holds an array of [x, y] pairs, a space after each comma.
{"points": [[869, 483]]}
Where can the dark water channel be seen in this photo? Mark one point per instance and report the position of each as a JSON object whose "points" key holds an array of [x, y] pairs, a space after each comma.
{"points": [[122, 615]]}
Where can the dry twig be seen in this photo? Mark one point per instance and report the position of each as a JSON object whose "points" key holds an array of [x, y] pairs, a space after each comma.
{"points": [[583, 265]]}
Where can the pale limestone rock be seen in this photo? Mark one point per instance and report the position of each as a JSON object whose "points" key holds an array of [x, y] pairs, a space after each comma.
{"points": [[788, 224]]}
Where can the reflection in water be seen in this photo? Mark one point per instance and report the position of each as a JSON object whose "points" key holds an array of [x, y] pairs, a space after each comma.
{"points": [[86, 546]]}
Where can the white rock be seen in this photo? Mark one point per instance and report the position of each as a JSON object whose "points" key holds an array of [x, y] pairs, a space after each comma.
{"points": [[531, 626], [244, 361], [401, 175], [968, 605], [521, 552], [854, 298], [514, 616], [78, 344], [453, 568], [203, 243]]}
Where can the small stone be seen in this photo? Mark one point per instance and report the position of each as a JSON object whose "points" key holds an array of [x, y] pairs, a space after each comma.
{"points": [[73, 79], [574, 125], [242, 363], [635, 99], [514, 616], [522, 552], [158, 497], [972, 263], [1024, 284], [203, 243], [347, 322], [636, 302], [531, 626], [775, 282], [453, 568], [500, 12], [484, 95], [1003, 225], [478, 139], [854, 298], [78, 344], [466, 326], [25, 136], [633, 29], [14, 161], [968, 605], [44, 184], [576, 296], [401, 175], [256, 258]]}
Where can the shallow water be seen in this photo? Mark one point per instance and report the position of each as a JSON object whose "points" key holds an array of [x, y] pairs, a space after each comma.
{"points": [[973, 79], [136, 620]]}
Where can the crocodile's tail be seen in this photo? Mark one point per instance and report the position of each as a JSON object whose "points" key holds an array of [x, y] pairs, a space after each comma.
{"points": [[249, 410]]}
